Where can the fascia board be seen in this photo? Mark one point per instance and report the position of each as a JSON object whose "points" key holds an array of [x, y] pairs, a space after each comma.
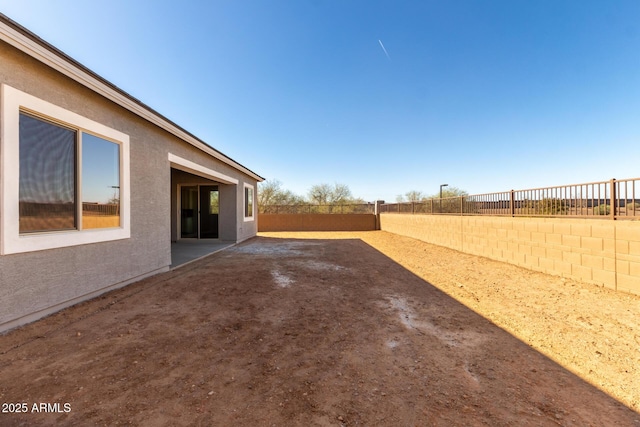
{"points": [[197, 169]]}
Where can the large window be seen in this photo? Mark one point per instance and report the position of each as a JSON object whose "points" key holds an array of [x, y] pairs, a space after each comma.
{"points": [[49, 184], [248, 202], [65, 178]]}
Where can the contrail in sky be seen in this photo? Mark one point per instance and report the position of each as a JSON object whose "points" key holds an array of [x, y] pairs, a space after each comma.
{"points": [[385, 50]]}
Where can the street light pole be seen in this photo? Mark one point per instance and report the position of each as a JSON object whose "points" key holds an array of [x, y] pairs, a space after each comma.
{"points": [[442, 185]]}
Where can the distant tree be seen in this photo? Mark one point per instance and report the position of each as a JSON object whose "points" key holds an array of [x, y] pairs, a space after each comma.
{"points": [[326, 194], [415, 196], [449, 192], [452, 205], [272, 198], [341, 194], [271, 193], [268, 192], [319, 194]]}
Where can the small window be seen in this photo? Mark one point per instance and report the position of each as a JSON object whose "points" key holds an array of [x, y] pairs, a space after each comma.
{"points": [[248, 202]]}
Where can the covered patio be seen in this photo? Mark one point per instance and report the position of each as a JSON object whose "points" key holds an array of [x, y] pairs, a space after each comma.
{"points": [[185, 251]]}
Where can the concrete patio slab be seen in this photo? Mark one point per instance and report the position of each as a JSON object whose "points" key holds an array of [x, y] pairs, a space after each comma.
{"points": [[186, 251]]}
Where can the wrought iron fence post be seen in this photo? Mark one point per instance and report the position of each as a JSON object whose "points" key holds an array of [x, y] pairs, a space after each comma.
{"points": [[512, 203], [461, 205], [614, 198]]}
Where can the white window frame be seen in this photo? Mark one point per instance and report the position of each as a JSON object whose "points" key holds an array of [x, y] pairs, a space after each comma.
{"points": [[244, 202], [12, 102]]}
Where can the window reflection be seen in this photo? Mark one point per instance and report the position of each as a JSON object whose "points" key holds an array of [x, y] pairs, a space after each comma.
{"points": [[47, 176], [214, 203], [100, 183], [248, 202]]}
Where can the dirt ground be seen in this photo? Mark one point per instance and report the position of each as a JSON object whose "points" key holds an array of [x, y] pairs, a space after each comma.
{"points": [[332, 329]]}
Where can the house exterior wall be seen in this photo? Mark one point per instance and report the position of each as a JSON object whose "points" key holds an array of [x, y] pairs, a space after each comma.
{"points": [[247, 227], [34, 284], [232, 194], [602, 252]]}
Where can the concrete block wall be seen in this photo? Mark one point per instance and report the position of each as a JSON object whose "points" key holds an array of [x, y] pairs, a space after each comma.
{"points": [[596, 251], [316, 222]]}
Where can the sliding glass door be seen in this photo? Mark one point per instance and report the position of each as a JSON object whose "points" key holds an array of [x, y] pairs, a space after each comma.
{"points": [[189, 213], [209, 209], [199, 209]]}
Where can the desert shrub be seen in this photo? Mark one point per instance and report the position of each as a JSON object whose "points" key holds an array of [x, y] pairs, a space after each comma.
{"points": [[602, 209], [553, 206], [547, 206], [633, 206]]}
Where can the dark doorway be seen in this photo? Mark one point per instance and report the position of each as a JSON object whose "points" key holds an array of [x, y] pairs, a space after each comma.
{"points": [[209, 210], [199, 209], [189, 212]]}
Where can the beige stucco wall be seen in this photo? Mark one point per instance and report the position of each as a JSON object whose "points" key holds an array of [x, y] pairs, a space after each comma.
{"points": [[34, 284], [597, 251]]}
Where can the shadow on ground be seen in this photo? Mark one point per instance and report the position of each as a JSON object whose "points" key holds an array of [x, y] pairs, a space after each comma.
{"points": [[288, 332]]}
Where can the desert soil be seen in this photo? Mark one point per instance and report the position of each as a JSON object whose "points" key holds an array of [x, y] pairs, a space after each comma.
{"points": [[332, 329]]}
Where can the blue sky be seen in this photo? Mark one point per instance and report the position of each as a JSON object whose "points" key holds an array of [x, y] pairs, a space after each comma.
{"points": [[483, 95]]}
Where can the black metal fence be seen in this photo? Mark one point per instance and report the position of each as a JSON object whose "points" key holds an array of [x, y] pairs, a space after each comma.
{"points": [[101, 209], [33, 209], [614, 199], [362, 208]]}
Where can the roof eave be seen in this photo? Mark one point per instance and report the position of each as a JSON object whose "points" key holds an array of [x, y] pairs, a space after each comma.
{"points": [[24, 40]]}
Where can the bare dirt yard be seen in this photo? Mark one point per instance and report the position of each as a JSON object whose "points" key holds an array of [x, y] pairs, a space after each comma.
{"points": [[332, 329]]}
